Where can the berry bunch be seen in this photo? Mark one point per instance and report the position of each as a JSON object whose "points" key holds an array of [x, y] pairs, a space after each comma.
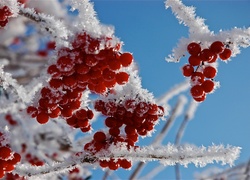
{"points": [[8, 158], [203, 59], [132, 117], [5, 14], [84, 66]]}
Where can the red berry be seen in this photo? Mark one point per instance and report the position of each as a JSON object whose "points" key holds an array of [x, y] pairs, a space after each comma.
{"points": [[65, 64], [51, 45], [113, 165], [32, 111], [82, 69], [194, 48], [187, 70], [201, 98], [104, 163], [55, 113], [99, 105], [86, 129], [197, 91], [206, 55], [214, 58], [130, 130], [208, 86], [194, 60], [225, 54], [42, 118], [125, 164], [110, 122], [122, 78], [217, 47], [55, 83], [126, 59], [100, 136], [91, 61], [90, 114], [70, 81], [197, 78], [5, 152], [82, 123], [100, 88], [108, 75], [209, 72], [114, 131], [81, 114]]}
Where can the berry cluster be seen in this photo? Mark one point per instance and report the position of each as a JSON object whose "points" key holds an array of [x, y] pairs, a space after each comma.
{"points": [[203, 59], [132, 117], [84, 66], [8, 158], [5, 14]]}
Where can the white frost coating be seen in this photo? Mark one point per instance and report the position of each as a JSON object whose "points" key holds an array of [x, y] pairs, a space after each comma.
{"points": [[88, 21], [177, 89], [167, 155], [199, 32], [50, 7], [48, 24]]}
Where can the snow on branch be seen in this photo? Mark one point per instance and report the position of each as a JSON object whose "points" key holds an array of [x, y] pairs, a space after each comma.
{"points": [[49, 24], [167, 155], [199, 32]]}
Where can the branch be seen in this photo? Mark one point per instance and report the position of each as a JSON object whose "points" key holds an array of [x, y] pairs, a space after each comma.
{"points": [[167, 155]]}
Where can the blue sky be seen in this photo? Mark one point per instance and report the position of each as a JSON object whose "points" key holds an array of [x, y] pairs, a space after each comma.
{"points": [[150, 32]]}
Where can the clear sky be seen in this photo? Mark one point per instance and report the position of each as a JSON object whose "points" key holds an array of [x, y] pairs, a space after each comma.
{"points": [[150, 32]]}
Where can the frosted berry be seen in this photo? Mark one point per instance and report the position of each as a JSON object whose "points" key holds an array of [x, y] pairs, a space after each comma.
{"points": [[194, 60], [206, 55], [126, 59], [225, 54], [208, 86], [209, 72], [197, 91], [197, 78], [187, 70], [194, 48], [122, 78], [217, 47], [42, 118], [5, 152], [99, 136]]}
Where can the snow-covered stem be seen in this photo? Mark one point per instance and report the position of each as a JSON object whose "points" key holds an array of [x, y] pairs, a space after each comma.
{"points": [[178, 108], [177, 89], [167, 155], [54, 27]]}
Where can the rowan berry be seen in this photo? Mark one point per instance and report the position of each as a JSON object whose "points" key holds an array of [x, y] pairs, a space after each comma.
{"points": [[99, 136], [225, 54], [208, 86], [197, 91], [187, 70], [42, 118], [194, 48], [194, 60], [197, 78], [206, 55], [122, 78], [126, 59], [217, 47], [5, 152], [209, 72]]}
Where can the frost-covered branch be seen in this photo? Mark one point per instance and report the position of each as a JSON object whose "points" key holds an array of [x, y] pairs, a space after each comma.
{"points": [[168, 155]]}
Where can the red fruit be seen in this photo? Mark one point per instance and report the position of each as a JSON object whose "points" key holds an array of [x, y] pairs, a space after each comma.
{"points": [[197, 78], [187, 70], [122, 78], [125, 164], [82, 69], [100, 88], [208, 86], [91, 61], [71, 121], [114, 131], [206, 55], [110, 122], [86, 129], [209, 72], [194, 60], [110, 107], [142, 108], [81, 114], [5, 152], [32, 111], [90, 114], [55, 83], [110, 84], [55, 113], [51, 45], [82, 123], [67, 112], [214, 58], [108, 75], [16, 158], [194, 48], [197, 91], [153, 108], [42, 118], [126, 59], [225, 54], [130, 130], [99, 136], [114, 64], [103, 163], [113, 165], [130, 105], [3, 23], [201, 98], [70, 81], [217, 47], [99, 105], [65, 64]]}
